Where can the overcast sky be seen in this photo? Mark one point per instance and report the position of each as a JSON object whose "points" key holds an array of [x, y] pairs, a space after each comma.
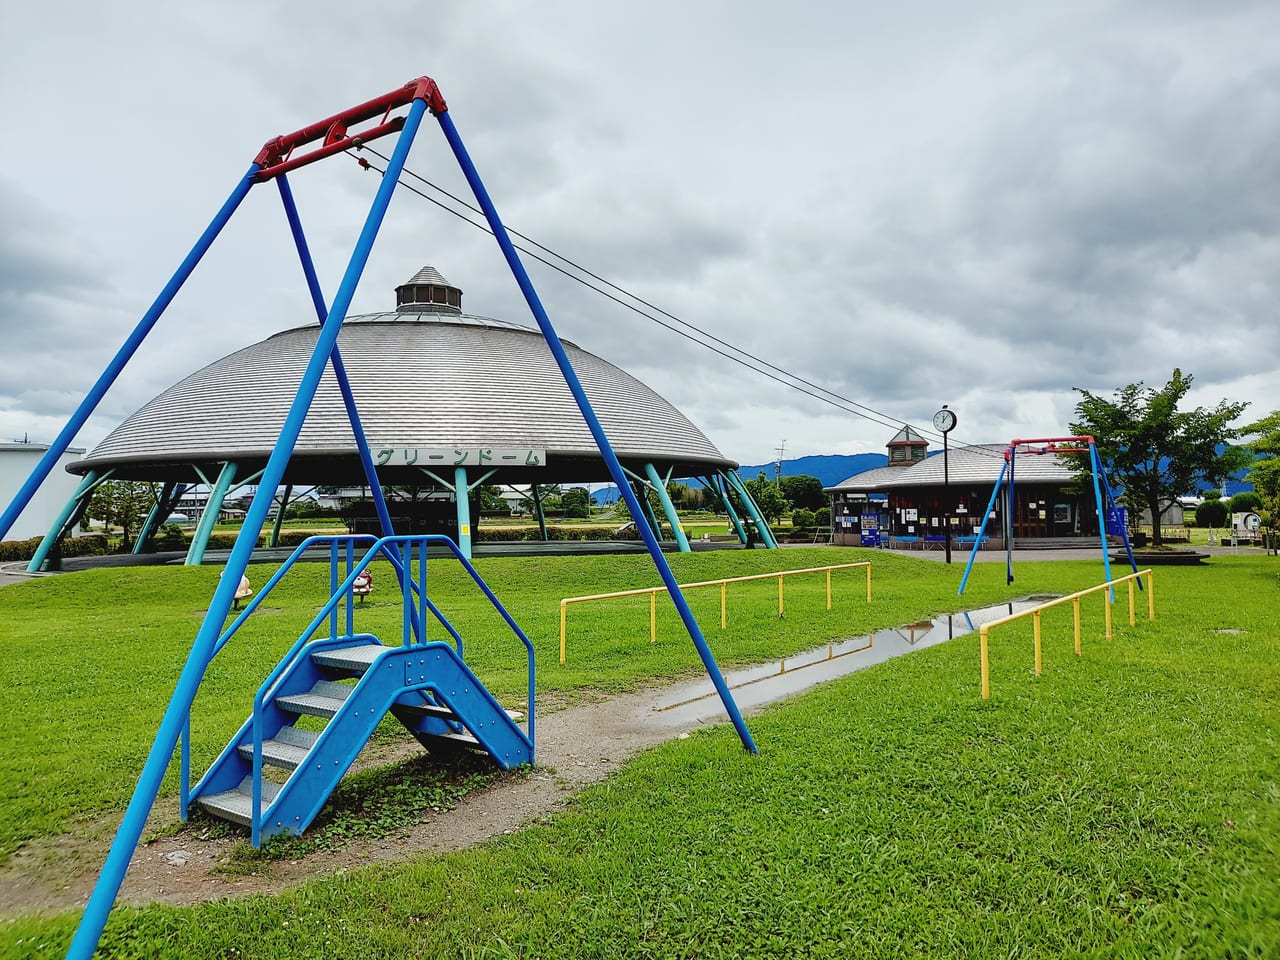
{"points": [[983, 204]]}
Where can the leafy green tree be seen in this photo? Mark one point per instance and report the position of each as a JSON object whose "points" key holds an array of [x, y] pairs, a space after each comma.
{"points": [[489, 499], [124, 504], [576, 502], [767, 496], [1265, 475], [1154, 451], [803, 491], [1245, 502], [1213, 493]]}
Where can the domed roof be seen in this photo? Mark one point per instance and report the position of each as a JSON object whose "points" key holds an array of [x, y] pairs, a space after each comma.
{"points": [[423, 381]]}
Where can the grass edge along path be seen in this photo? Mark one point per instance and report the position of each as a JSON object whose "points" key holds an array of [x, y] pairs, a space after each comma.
{"points": [[91, 658], [1124, 804]]}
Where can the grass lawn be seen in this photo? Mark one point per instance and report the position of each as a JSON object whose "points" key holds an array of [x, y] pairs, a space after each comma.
{"points": [[1123, 804]]}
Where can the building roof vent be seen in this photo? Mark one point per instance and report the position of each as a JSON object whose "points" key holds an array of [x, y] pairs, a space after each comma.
{"points": [[428, 292]]}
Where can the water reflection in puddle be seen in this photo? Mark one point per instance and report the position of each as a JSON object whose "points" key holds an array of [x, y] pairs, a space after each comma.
{"points": [[768, 682]]}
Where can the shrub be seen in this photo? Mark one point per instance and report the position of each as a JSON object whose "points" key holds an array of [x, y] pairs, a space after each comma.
{"points": [[19, 549], [171, 537], [1245, 502], [1211, 513]]}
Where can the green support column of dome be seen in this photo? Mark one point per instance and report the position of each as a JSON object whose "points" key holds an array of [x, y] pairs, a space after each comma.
{"points": [[668, 507], [204, 529]]}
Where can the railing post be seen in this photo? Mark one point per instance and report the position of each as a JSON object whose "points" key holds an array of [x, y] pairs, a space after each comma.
{"points": [[1151, 595], [868, 583], [1107, 600], [724, 604], [1075, 616], [986, 668], [653, 616], [1035, 632], [780, 607], [564, 608], [828, 588], [1133, 617]]}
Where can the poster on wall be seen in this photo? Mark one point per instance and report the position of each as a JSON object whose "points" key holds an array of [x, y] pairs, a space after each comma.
{"points": [[1062, 513]]}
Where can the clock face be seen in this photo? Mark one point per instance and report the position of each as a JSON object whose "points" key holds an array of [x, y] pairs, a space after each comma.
{"points": [[944, 420]]}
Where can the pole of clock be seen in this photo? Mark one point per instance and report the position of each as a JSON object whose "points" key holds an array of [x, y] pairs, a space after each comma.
{"points": [[945, 421], [946, 493]]}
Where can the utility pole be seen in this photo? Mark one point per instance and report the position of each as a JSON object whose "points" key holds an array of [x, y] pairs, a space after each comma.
{"points": [[777, 464]]}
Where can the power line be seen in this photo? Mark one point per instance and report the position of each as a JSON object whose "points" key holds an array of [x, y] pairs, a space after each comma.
{"points": [[576, 272]]}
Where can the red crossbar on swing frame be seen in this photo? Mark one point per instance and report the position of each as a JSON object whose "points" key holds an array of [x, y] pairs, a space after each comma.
{"points": [[276, 156], [1079, 444]]}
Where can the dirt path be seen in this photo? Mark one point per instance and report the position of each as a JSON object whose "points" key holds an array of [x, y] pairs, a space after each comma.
{"points": [[576, 747]]}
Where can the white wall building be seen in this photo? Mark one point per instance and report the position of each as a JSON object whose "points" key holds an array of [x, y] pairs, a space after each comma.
{"points": [[17, 460]]}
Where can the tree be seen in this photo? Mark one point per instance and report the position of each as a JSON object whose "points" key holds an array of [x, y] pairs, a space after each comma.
{"points": [[1265, 475], [803, 491], [489, 499], [124, 504], [1245, 502], [767, 496], [576, 502], [1154, 451]]}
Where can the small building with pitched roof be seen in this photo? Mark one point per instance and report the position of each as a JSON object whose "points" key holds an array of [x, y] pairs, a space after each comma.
{"points": [[906, 503]]}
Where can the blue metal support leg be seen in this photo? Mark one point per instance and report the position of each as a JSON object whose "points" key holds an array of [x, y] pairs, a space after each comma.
{"points": [[122, 357], [113, 871], [59, 527], [1096, 463], [593, 422], [668, 507], [339, 368], [209, 519], [986, 516]]}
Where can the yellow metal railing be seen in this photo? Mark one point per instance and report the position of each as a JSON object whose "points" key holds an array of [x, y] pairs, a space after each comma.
{"points": [[1074, 599], [724, 596]]}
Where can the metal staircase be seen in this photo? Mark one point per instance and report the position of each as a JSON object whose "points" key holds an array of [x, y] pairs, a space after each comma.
{"points": [[276, 774]]}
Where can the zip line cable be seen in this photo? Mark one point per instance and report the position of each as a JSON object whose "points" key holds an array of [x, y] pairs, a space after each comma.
{"points": [[652, 306], [807, 387]]}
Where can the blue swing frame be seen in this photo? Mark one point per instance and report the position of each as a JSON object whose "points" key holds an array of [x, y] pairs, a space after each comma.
{"points": [[1053, 445]]}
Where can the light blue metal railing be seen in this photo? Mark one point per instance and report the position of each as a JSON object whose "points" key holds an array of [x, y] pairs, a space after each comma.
{"points": [[399, 550]]}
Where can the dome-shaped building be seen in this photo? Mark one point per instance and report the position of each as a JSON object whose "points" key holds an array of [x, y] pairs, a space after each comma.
{"points": [[447, 401]]}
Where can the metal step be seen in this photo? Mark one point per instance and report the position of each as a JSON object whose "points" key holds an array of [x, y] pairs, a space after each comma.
{"points": [[323, 700], [463, 739], [354, 660], [237, 805], [288, 750], [425, 709]]}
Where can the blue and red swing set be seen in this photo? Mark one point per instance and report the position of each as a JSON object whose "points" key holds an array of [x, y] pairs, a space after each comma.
{"points": [[1109, 515], [278, 157]]}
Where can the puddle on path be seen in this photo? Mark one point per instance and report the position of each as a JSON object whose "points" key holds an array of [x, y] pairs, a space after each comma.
{"points": [[769, 682]]}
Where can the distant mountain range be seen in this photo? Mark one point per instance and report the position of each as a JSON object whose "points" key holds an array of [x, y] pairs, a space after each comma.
{"points": [[830, 469]]}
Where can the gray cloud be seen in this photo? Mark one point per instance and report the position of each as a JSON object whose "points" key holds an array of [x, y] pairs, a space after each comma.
{"points": [[984, 205]]}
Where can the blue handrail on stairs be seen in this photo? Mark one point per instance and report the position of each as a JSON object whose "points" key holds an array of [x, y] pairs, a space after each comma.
{"points": [[414, 626]]}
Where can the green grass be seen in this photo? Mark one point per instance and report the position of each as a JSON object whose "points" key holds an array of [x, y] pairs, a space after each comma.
{"points": [[1123, 804]]}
